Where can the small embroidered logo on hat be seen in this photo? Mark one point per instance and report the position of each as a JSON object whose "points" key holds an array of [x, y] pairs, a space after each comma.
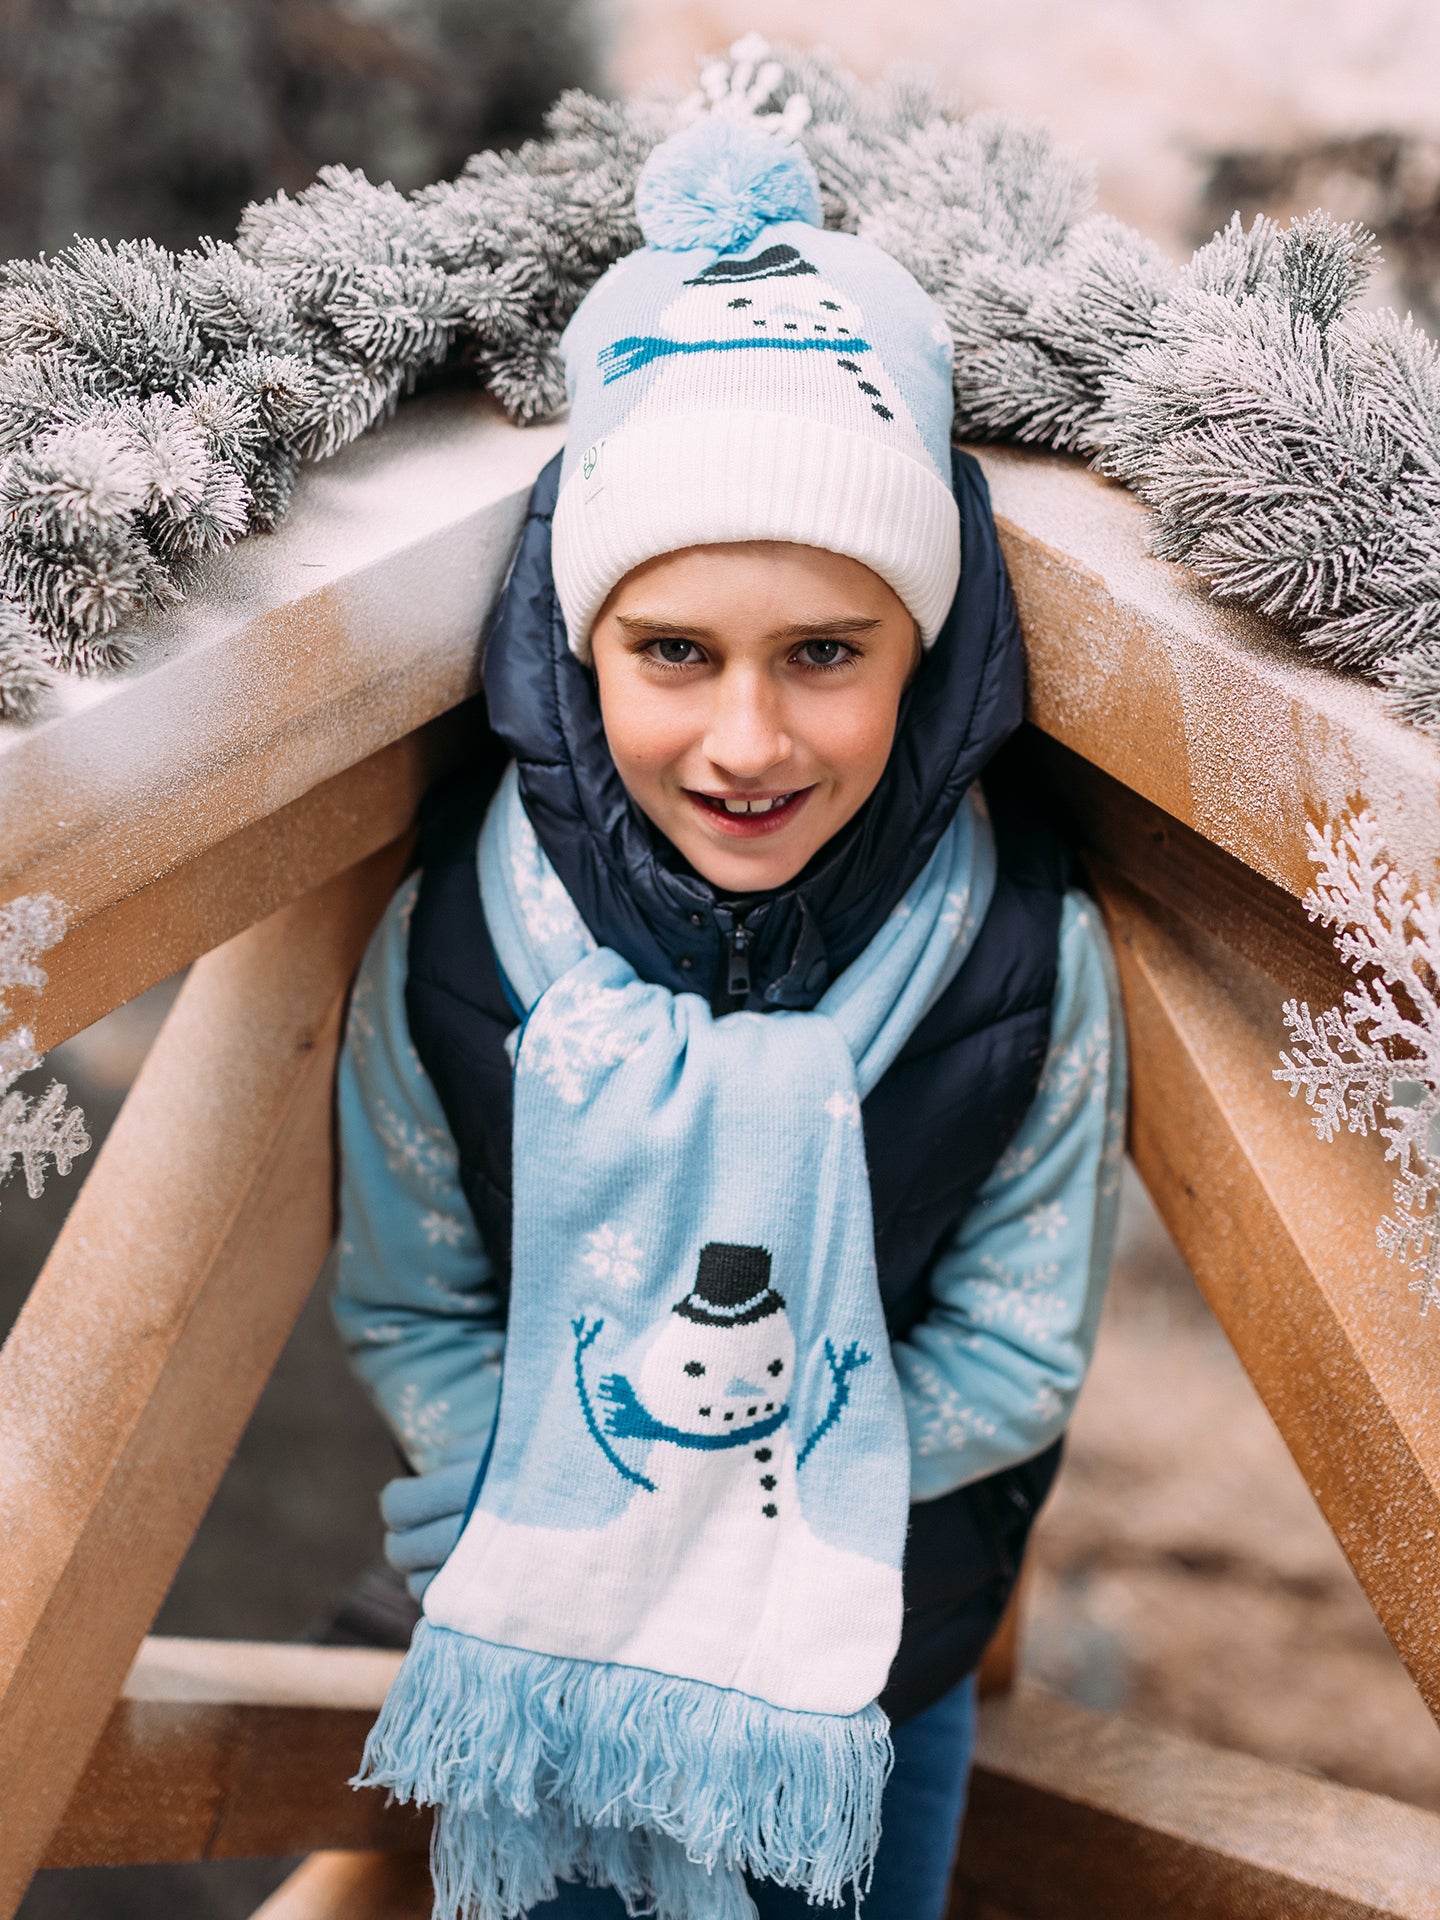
{"points": [[592, 472]]}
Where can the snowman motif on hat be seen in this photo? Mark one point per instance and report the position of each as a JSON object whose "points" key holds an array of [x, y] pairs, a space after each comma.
{"points": [[788, 340]]}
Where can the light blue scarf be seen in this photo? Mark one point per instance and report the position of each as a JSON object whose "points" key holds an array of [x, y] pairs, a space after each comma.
{"points": [[652, 1660]]}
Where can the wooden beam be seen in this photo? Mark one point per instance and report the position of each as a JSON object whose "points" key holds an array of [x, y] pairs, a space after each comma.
{"points": [[224, 1749], [1075, 1814], [1206, 886], [302, 653], [142, 1349], [296, 656], [353, 1886], [1278, 1228], [1210, 712], [125, 947]]}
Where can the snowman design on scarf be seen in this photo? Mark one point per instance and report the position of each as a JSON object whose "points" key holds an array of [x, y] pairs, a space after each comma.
{"points": [[788, 335], [706, 1563], [715, 1385]]}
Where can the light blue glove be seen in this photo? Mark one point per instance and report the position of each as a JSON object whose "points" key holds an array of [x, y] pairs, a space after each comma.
{"points": [[424, 1515]]}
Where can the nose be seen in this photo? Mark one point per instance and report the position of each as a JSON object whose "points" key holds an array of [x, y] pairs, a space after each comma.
{"points": [[740, 1387], [746, 736]]}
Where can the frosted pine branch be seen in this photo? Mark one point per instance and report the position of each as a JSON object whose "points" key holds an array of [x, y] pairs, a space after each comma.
{"points": [[29, 927], [34, 1132], [26, 676], [1373, 1063]]}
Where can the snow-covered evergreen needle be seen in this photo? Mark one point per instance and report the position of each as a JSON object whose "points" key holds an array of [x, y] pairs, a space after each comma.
{"points": [[1373, 1063], [35, 1131]]}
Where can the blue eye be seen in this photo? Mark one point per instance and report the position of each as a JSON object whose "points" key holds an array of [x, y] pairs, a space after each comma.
{"points": [[824, 655], [674, 653]]}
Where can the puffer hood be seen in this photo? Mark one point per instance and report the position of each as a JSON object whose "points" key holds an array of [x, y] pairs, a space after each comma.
{"points": [[630, 885]]}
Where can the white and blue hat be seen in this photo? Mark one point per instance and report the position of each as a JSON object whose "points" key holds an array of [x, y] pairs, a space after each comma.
{"points": [[749, 375]]}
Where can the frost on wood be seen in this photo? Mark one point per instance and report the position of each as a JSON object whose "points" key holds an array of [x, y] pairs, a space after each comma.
{"points": [[33, 1131], [1373, 1063], [155, 406]]}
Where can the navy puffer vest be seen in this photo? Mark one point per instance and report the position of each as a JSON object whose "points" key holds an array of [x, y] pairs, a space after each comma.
{"points": [[938, 1120]]}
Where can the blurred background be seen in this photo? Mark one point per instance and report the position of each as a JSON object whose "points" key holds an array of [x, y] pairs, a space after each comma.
{"points": [[1181, 1572]]}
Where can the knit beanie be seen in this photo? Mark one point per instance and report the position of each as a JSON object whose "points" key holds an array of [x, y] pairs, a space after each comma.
{"points": [[749, 375]]}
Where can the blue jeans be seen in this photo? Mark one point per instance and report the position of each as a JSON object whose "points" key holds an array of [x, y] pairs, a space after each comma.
{"points": [[924, 1802]]}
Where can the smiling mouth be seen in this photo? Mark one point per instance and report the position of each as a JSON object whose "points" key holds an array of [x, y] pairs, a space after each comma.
{"points": [[747, 816]]}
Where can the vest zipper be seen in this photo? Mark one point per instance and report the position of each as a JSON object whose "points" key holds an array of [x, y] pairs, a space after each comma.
{"points": [[738, 981], [738, 941]]}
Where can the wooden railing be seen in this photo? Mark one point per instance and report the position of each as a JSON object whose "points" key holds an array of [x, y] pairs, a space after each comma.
{"points": [[244, 803]]}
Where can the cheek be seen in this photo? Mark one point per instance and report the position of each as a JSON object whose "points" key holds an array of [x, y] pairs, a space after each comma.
{"points": [[646, 728], [852, 734]]}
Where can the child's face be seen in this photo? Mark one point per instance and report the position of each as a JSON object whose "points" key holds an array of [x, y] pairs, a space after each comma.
{"points": [[762, 675]]}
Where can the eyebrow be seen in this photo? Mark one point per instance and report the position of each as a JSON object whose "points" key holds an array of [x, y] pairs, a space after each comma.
{"points": [[642, 623]]}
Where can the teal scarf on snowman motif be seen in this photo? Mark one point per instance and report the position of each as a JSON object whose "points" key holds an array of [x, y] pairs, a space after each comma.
{"points": [[652, 1659]]}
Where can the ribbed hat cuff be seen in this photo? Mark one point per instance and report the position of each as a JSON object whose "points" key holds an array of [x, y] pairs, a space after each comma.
{"points": [[710, 479]]}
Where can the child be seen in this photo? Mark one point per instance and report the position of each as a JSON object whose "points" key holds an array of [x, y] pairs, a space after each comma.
{"points": [[751, 1089]]}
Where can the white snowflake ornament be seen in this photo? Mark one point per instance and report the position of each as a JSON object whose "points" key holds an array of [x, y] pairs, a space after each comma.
{"points": [[33, 1132], [1378, 1052]]}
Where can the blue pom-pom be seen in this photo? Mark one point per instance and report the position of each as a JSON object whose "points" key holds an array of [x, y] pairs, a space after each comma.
{"points": [[717, 183]]}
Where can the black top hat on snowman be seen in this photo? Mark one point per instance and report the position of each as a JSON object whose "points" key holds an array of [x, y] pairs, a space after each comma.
{"points": [[732, 1287]]}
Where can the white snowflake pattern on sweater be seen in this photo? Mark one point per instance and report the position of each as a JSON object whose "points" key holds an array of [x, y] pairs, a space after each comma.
{"points": [[1077, 1073], [1017, 1159], [420, 1425], [442, 1229], [362, 1021], [1030, 1300], [448, 1296], [941, 1418], [383, 1333], [426, 1153], [1046, 1220]]}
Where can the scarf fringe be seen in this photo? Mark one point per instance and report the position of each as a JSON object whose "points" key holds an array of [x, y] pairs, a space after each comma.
{"points": [[501, 1865], [668, 1790]]}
